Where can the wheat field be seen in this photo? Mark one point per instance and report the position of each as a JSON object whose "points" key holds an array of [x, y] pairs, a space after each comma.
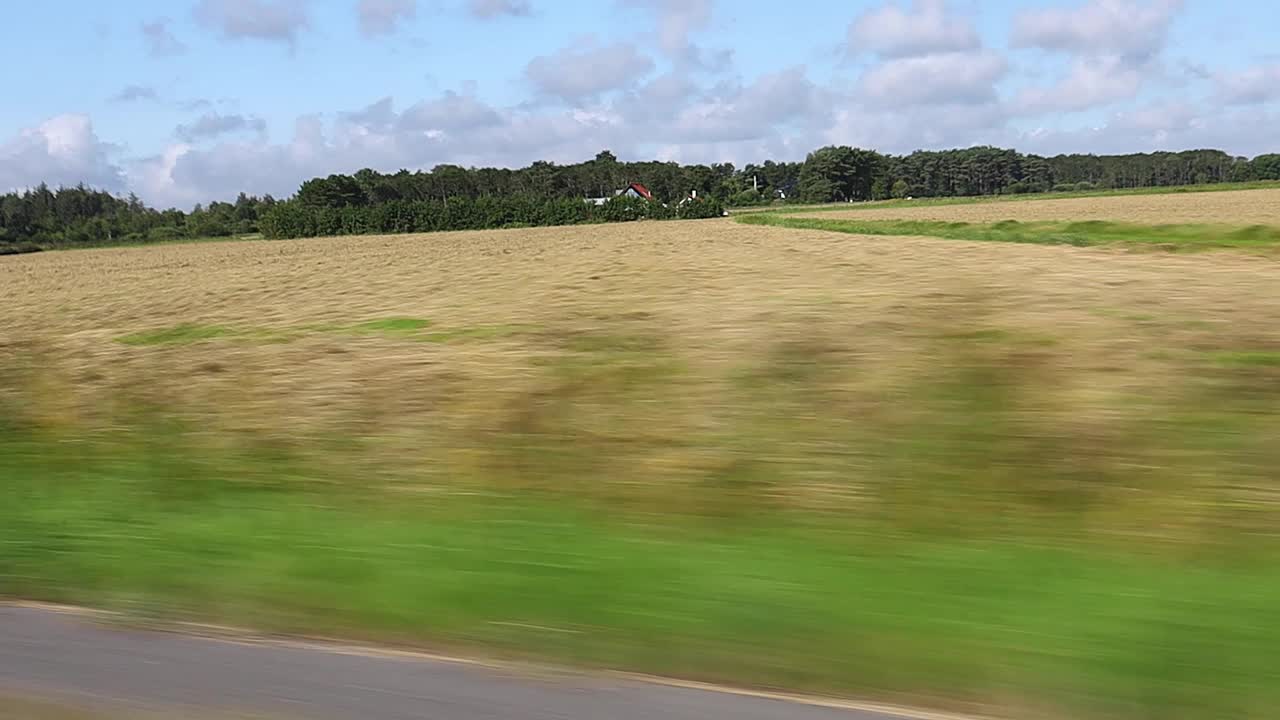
{"points": [[443, 340], [486, 303]]}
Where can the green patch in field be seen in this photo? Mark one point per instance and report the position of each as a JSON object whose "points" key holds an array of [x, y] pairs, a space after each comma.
{"points": [[1171, 238], [394, 326], [178, 335], [1252, 358], [1255, 235]]}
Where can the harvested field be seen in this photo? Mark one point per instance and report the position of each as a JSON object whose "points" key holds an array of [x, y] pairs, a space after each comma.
{"points": [[1236, 207], [312, 325], [1036, 481], [319, 325]]}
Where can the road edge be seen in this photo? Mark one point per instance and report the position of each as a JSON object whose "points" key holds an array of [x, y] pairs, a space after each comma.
{"points": [[246, 636]]}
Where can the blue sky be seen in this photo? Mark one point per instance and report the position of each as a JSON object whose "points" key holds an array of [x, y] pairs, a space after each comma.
{"points": [[186, 101]]}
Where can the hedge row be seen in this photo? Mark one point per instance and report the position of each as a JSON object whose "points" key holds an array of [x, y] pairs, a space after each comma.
{"points": [[294, 219]]}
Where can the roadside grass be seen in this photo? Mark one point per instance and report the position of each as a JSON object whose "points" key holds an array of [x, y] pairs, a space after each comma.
{"points": [[801, 603], [1080, 234], [952, 541]]}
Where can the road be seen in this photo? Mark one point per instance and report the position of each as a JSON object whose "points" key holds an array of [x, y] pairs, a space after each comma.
{"points": [[67, 656]]}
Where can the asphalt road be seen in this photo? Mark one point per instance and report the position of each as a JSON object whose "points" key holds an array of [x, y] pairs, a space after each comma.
{"points": [[68, 657]]}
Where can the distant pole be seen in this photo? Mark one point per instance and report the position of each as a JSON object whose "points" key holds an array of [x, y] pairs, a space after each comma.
{"points": [[755, 183]]}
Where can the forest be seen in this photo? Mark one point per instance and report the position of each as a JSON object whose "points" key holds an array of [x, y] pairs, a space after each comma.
{"points": [[450, 197]]}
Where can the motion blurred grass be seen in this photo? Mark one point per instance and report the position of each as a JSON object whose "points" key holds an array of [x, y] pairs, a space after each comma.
{"points": [[957, 537], [1079, 234]]}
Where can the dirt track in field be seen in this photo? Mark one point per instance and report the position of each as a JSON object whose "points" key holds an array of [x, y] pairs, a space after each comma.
{"points": [[1233, 207]]}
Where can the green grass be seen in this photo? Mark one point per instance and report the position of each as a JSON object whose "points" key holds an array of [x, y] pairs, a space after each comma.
{"points": [[1079, 234], [1254, 358], [972, 199], [806, 603], [396, 326]]}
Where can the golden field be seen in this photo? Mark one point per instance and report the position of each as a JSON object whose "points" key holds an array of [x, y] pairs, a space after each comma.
{"points": [[664, 343], [1233, 207]]}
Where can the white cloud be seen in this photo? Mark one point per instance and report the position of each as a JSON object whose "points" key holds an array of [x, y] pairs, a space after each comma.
{"points": [[759, 110], [270, 20], [1252, 86], [932, 127], [676, 22], [1114, 44], [944, 78], [488, 9], [924, 28], [63, 150], [1177, 125], [1090, 82], [575, 74], [380, 17], [1132, 28]]}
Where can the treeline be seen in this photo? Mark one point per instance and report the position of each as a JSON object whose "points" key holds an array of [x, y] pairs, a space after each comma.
{"points": [[827, 175], [298, 218], [79, 216], [454, 197], [844, 173]]}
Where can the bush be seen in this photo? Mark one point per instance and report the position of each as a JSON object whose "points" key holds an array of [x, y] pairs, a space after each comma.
{"points": [[292, 219], [18, 248], [1022, 187], [700, 208]]}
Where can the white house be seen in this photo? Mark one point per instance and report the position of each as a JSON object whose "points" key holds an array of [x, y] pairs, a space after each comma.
{"points": [[635, 190]]}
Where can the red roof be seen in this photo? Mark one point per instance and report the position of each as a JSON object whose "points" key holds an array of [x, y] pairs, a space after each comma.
{"points": [[644, 191]]}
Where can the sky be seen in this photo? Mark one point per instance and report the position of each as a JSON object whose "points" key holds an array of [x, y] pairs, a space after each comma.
{"points": [[188, 101]]}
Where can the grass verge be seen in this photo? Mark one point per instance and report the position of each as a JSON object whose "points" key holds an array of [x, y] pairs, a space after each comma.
{"points": [[800, 602], [1079, 234]]}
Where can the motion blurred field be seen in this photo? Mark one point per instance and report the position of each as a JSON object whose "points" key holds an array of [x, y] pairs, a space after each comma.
{"points": [[976, 422], [662, 342]]}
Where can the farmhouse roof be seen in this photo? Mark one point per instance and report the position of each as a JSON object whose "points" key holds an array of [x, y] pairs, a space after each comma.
{"points": [[644, 191]]}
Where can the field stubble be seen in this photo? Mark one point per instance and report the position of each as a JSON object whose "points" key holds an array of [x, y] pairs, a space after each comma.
{"points": [[1233, 207], [905, 467]]}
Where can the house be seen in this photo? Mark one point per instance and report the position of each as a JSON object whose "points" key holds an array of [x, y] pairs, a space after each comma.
{"points": [[635, 190]]}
